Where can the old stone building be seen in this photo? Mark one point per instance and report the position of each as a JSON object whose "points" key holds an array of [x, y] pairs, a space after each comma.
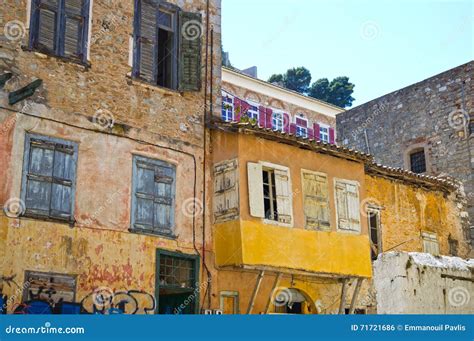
{"points": [[102, 108], [426, 127]]}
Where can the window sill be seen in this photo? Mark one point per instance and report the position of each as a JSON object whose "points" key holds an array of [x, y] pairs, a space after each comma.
{"points": [[349, 231], [276, 223], [142, 83], [83, 66], [153, 234], [70, 223]]}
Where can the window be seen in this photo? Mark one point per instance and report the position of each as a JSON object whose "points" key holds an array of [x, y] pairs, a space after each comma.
{"points": [[302, 132], [252, 113], [375, 231], [177, 283], [226, 196], [430, 243], [60, 27], [167, 45], [277, 121], [153, 198], [324, 133], [270, 192], [453, 246], [49, 178], [229, 302], [227, 107], [316, 200], [347, 206], [418, 161], [51, 288]]}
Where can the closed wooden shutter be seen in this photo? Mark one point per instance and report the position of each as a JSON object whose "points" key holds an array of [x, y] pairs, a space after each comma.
{"points": [[255, 186], [74, 22], [348, 206], [283, 192], [47, 24], [154, 197], [146, 40], [226, 191], [430, 243], [50, 179], [316, 201], [190, 30]]}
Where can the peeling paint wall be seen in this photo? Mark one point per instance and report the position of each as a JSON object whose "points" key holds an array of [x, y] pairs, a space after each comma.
{"points": [[149, 121], [408, 210]]}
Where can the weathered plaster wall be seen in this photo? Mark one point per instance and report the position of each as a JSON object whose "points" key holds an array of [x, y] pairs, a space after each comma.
{"points": [[433, 113], [148, 121], [423, 284], [408, 210]]}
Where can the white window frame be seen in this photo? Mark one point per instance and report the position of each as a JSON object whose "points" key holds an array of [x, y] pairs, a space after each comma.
{"points": [[231, 109], [275, 127], [302, 129], [230, 294], [324, 136], [349, 182], [252, 113], [430, 237]]}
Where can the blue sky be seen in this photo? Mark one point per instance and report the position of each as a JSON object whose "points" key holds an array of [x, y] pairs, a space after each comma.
{"points": [[380, 45]]}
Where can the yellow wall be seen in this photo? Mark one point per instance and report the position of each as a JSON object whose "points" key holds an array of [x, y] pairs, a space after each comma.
{"points": [[408, 210]]}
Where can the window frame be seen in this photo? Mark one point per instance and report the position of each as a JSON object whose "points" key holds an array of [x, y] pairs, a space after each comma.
{"points": [[60, 31], [268, 165], [196, 259], [430, 237], [418, 151], [155, 163], [301, 128], [252, 114], [25, 173], [231, 109], [322, 134], [277, 117], [379, 246], [160, 6]]}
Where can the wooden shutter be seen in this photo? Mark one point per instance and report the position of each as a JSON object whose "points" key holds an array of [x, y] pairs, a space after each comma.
{"points": [[38, 177], [190, 31], [430, 243], [348, 206], [283, 192], [226, 191], [163, 209], [64, 175], [45, 24], [75, 21], [353, 206], [332, 136], [255, 185], [316, 201], [146, 41], [50, 179]]}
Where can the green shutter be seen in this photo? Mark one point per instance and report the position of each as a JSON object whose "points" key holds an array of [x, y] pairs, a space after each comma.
{"points": [[191, 31]]}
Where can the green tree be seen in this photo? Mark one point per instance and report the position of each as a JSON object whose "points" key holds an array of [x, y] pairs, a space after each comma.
{"points": [[338, 92], [297, 79]]}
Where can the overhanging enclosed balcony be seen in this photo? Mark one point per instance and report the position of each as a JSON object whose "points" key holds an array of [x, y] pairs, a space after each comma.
{"points": [[254, 245]]}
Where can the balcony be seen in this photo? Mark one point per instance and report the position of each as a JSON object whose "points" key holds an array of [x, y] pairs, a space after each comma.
{"points": [[254, 245]]}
